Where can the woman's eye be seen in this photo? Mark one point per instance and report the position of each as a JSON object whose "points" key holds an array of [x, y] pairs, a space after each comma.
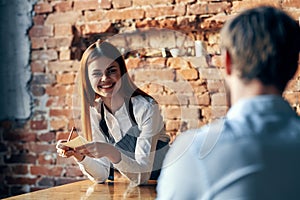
{"points": [[111, 71], [97, 74]]}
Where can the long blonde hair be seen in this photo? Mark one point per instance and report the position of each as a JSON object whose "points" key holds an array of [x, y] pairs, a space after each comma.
{"points": [[88, 95]]}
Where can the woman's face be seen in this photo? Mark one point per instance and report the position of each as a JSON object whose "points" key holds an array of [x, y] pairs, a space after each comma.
{"points": [[105, 76]]}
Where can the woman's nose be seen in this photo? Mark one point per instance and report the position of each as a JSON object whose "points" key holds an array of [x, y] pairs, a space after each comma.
{"points": [[103, 77]]}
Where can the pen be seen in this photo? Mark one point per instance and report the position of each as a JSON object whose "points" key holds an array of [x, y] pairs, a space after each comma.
{"points": [[71, 133]]}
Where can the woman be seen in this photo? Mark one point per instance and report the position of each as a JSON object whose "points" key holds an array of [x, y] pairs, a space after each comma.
{"points": [[122, 123]]}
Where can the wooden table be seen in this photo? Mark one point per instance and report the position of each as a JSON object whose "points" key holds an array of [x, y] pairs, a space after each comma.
{"points": [[88, 190]]}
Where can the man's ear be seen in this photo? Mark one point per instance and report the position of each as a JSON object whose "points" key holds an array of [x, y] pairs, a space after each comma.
{"points": [[227, 62]]}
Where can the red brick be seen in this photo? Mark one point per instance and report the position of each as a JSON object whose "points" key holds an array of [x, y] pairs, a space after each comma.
{"points": [[121, 3], [60, 66], [198, 62], [42, 79], [216, 86], [105, 4], [179, 10], [44, 55], [211, 73], [20, 169], [46, 159], [43, 8], [168, 23], [171, 113], [188, 74], [217, 61], [37, 42], [63, 6], [291, 3], [177, 63], [61, 112], [154, 75], [158, 11], [19, 136], [150, 2], [100, 27], [65, 78], [38, 20], [198, 87], [86, 5], [153, 63], [37, 66], [203, 99], [238, 6], [97, 15], [178, 88], [153, 88], [59, 42], [39, 147], [65, 54], [186, 1], [206, 113], [69, 17], [21, 158], [40, 31], [208, 8], [45, 170], [157, 62], [147, 23], [46, 137], [59, 90], [58, 124], [166, 10], [132, 63], [162, 38], [21, 180], [190, 113], [171, 99], [62, 30], [39, 125], [219, 99], [125, 14]]}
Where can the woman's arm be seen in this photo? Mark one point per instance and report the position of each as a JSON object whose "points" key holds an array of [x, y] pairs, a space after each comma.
{"points": [[96, 169]]}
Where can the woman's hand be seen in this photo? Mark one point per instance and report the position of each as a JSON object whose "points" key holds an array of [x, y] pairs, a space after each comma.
{"points": [[67, 152], [99, 150]]}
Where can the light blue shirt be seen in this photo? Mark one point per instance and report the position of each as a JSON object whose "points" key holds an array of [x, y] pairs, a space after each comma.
{"points": [[185, 174]]}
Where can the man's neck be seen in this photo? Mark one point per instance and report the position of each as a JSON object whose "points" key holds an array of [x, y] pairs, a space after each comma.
{"points": [[241, 89]]}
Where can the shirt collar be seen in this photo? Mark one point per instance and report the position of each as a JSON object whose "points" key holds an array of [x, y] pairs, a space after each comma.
{"points": [[260, 104]]}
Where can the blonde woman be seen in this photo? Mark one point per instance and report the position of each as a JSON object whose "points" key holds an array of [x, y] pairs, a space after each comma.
{"points": [[122, 123]]}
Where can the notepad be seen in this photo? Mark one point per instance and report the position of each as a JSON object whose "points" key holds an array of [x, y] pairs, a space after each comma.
{"points": [[76, 142]]}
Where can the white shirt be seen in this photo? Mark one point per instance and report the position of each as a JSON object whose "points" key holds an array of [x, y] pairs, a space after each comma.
{"points": [[151, 126]]}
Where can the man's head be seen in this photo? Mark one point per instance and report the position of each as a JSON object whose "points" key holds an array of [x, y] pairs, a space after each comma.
{"points": [[263, 44]]}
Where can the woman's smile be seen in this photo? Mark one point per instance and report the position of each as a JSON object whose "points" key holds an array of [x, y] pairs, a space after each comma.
{"points": [[105, 76], [106, 86]]}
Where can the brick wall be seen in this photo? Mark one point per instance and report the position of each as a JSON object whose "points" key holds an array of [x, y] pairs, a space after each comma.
{"points": [[189, 89]]}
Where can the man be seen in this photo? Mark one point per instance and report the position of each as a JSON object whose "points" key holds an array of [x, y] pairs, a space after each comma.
{"points": [[254, 152]]}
